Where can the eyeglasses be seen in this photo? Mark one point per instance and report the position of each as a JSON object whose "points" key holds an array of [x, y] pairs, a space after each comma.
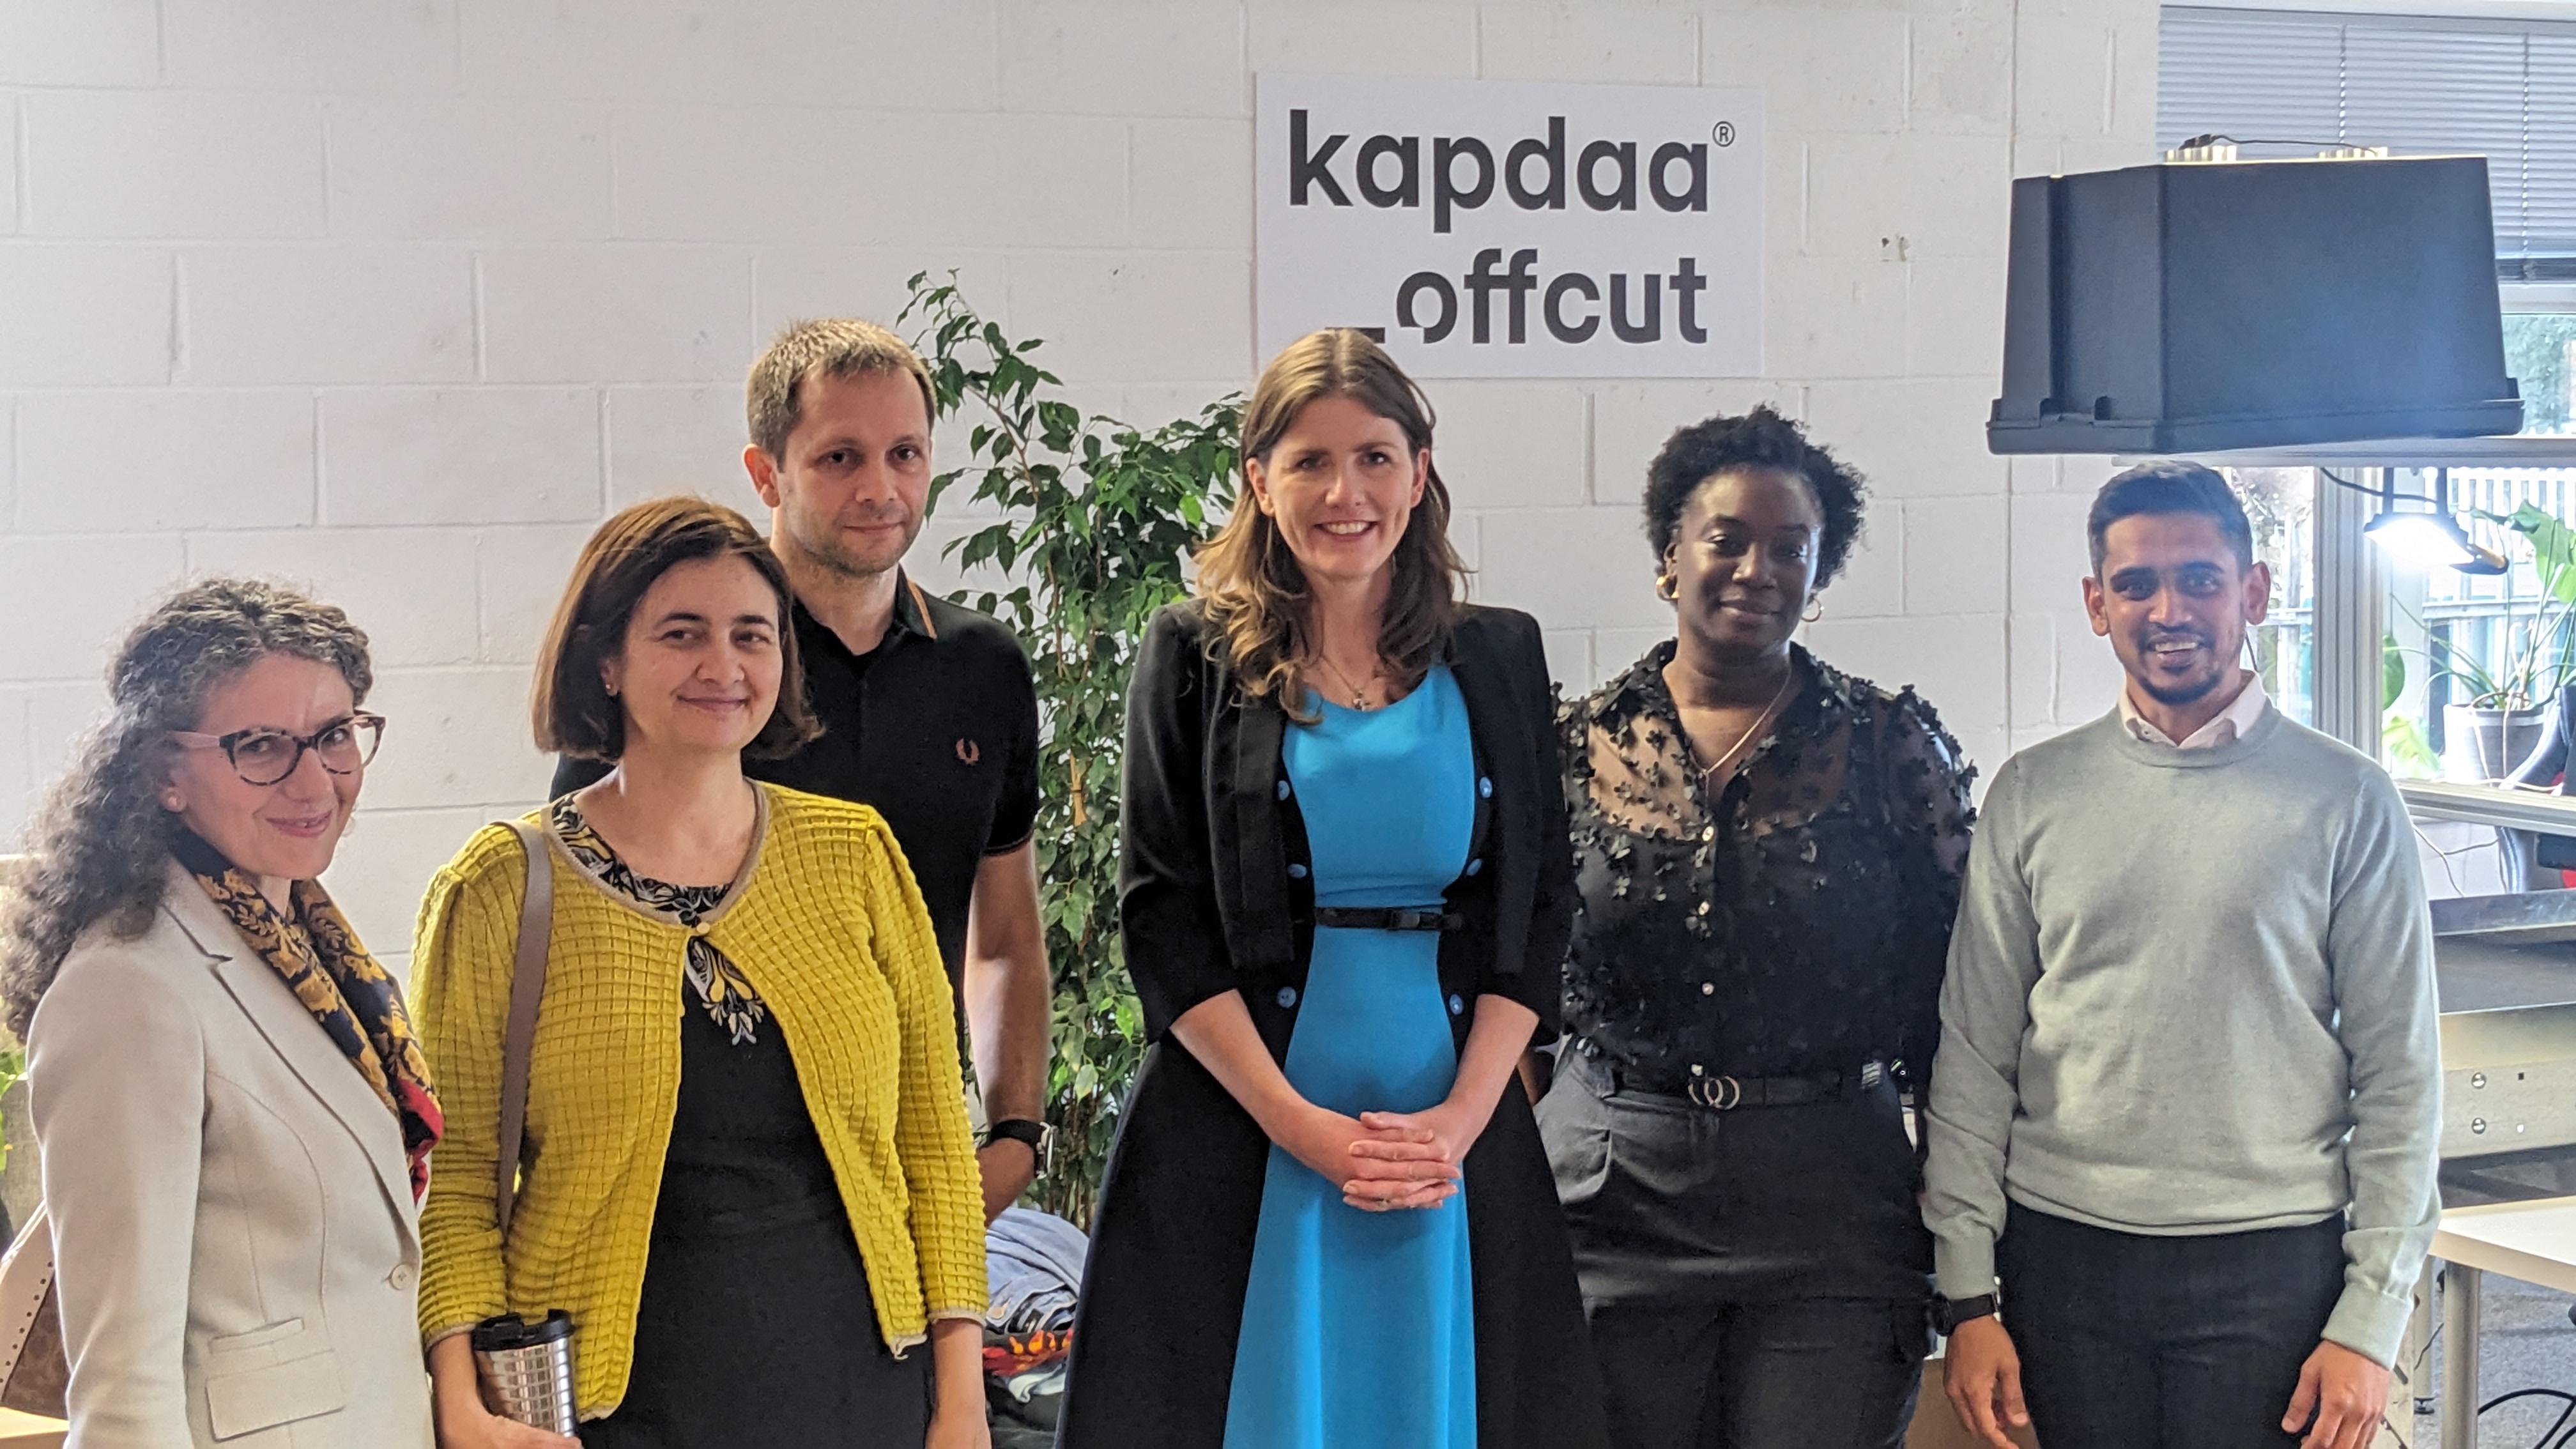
{"points": [[264, 756]]}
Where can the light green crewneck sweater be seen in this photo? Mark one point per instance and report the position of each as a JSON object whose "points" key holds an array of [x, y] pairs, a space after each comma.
{"points": [[2191, 992]]}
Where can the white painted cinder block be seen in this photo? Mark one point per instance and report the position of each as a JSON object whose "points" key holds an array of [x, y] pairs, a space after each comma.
{"points": [[1361, 37], [2050, 553], [1848, 64], [1954, 317], [1616, 651], [1190, 184], [479, 169], [870, 179], [85, 315], [1510, 444], [401, 585], [80, 43], [17, 768], [1138, 317], [665, 440], [1572, 568], [1955, 662], [61, 718], [892, 54], [461, 456], [159, 165], [1569, 658], [798, 284], [1872, 583], [71, 598], [2032, 642], [520, 576], [1631, 422], [2061, 73], [294, 45], [580, 314], [1123, 58], [388, 857], [9, 218], [335, 314], [136, 461], [1839, 317], [1618, 44], [1954, 555], [1898, 197], [466, 739], [1912, 436], [1963, 67]]}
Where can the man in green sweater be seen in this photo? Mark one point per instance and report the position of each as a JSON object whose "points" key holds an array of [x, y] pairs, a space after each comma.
{"points": [[2185, 1106]]}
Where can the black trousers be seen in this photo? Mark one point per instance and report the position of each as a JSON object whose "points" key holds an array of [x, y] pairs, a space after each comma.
{"points": [[1754, 1279], [2134, 1342]]}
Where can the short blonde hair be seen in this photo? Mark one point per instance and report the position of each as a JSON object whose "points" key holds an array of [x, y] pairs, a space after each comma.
{"points": [[825, 347]]}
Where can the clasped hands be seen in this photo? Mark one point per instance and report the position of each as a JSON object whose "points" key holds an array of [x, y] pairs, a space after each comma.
{"points": [[1386, 1161]]}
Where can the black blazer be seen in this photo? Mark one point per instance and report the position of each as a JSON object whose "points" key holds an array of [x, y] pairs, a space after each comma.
{"points": [[1216, 894], [1215, 890]]}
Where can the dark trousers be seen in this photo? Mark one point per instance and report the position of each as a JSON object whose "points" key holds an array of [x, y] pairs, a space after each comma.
{"points": [[2134, 1342], [1754, 1279], [1833, 1373]]}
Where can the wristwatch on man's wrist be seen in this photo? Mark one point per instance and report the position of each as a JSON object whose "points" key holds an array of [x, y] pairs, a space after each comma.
{"points": [[1949, 1313], [1038, 1135]]}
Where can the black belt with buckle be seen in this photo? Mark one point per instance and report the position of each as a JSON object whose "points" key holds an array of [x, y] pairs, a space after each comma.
{"points": [[1387, 918], [1725, 1093]]}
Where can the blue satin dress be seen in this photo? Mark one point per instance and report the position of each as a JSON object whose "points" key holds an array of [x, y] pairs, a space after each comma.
{"points": [[1358, 1327]]}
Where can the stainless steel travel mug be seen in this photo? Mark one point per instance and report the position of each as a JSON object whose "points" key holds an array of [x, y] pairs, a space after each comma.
{"points": [[526, 1369]]}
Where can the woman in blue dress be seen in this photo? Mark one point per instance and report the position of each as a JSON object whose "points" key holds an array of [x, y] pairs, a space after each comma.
{"points": [[1345, 895]]}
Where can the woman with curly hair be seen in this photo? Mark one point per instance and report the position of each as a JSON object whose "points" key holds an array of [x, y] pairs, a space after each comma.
{"points": [[233, 1117], [1768, 854]]}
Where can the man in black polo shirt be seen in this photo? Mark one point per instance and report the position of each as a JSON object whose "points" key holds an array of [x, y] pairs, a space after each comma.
{"points": [[929, 711]]}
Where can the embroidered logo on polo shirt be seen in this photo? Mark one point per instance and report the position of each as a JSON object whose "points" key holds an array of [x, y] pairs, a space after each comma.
{"points": [[969, 752]]}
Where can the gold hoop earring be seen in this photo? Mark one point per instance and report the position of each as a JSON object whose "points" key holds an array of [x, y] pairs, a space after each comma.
{"points": [[1815, 611], [1667, 587]]}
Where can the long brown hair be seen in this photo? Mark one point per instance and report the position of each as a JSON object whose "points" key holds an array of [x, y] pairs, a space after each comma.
{"points": [[572, 709], [1252, 587]]}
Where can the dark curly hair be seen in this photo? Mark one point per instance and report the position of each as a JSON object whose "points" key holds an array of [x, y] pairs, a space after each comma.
{"points": [[1761, 438], [98, 850]]}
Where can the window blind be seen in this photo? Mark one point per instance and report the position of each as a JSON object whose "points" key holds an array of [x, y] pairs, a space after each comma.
{"points": [[2503, 89]]}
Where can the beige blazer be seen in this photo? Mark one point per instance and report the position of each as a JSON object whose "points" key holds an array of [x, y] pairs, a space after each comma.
{"points": [[237, 1253]]}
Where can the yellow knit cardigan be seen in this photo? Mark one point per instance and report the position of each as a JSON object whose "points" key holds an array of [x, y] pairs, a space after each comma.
{"points": [[832, 933]]}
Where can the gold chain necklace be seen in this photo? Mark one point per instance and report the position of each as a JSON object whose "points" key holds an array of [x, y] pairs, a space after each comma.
{"points": [[1759, 721], [1359, 696]]}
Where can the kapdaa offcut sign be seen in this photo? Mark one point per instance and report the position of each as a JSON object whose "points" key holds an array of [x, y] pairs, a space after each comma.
{"points": [[1501, 229]]}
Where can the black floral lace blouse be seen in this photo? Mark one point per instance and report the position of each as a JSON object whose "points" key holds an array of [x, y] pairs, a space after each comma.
{"points": [[1797, 923]]}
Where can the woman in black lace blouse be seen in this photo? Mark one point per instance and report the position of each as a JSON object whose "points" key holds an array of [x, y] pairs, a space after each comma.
{"points": [[1769, 854]]}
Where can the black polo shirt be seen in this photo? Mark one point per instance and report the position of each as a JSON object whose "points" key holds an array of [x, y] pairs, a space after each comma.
{"points": [[937, 727]]}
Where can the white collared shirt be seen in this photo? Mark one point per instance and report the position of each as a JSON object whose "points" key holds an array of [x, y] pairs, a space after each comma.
{"points": [[2236, 719]]}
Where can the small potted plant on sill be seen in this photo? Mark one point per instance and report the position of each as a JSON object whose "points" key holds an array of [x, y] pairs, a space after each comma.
{"points": [[2500, 721]]}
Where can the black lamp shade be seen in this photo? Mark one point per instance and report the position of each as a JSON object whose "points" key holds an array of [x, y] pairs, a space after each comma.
{"points": [[2199, 306]]}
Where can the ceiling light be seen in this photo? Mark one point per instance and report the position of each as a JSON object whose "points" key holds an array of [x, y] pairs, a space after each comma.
{"points": [[2432, 540]]}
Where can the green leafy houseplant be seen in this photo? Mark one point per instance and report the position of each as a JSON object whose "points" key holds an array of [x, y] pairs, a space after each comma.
{"points": [[1097, 519], [2540, 647]]}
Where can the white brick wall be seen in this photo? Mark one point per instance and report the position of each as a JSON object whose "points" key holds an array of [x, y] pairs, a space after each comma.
{"points": [[398, 297]]}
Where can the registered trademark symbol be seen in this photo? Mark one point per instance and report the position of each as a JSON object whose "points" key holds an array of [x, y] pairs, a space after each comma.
{"points": [[1723, 133]]}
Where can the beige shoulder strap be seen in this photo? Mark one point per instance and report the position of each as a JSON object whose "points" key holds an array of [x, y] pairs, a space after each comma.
{"points": [[527, 989]]}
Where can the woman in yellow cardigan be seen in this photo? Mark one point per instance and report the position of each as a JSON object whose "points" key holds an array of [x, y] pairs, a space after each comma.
{"points": [[747, 1170]]}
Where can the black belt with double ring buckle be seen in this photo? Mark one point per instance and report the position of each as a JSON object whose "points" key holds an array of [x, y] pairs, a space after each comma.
{"points": [[1387, 918], [1726, 1094]]}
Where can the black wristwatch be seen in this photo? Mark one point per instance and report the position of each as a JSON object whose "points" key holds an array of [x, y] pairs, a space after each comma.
{"points": [[1038, 1135], [1949, 1313]]}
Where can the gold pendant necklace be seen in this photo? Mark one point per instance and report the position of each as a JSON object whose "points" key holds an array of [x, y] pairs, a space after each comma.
{"points": [[1759, 721], [1359, 696]]}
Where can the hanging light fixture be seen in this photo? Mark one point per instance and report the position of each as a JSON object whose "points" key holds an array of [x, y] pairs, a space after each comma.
{"points": [[2430, 539]]}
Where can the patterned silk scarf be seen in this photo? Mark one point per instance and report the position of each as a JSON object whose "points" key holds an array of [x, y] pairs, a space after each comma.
{"points": [[352, 997]]}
